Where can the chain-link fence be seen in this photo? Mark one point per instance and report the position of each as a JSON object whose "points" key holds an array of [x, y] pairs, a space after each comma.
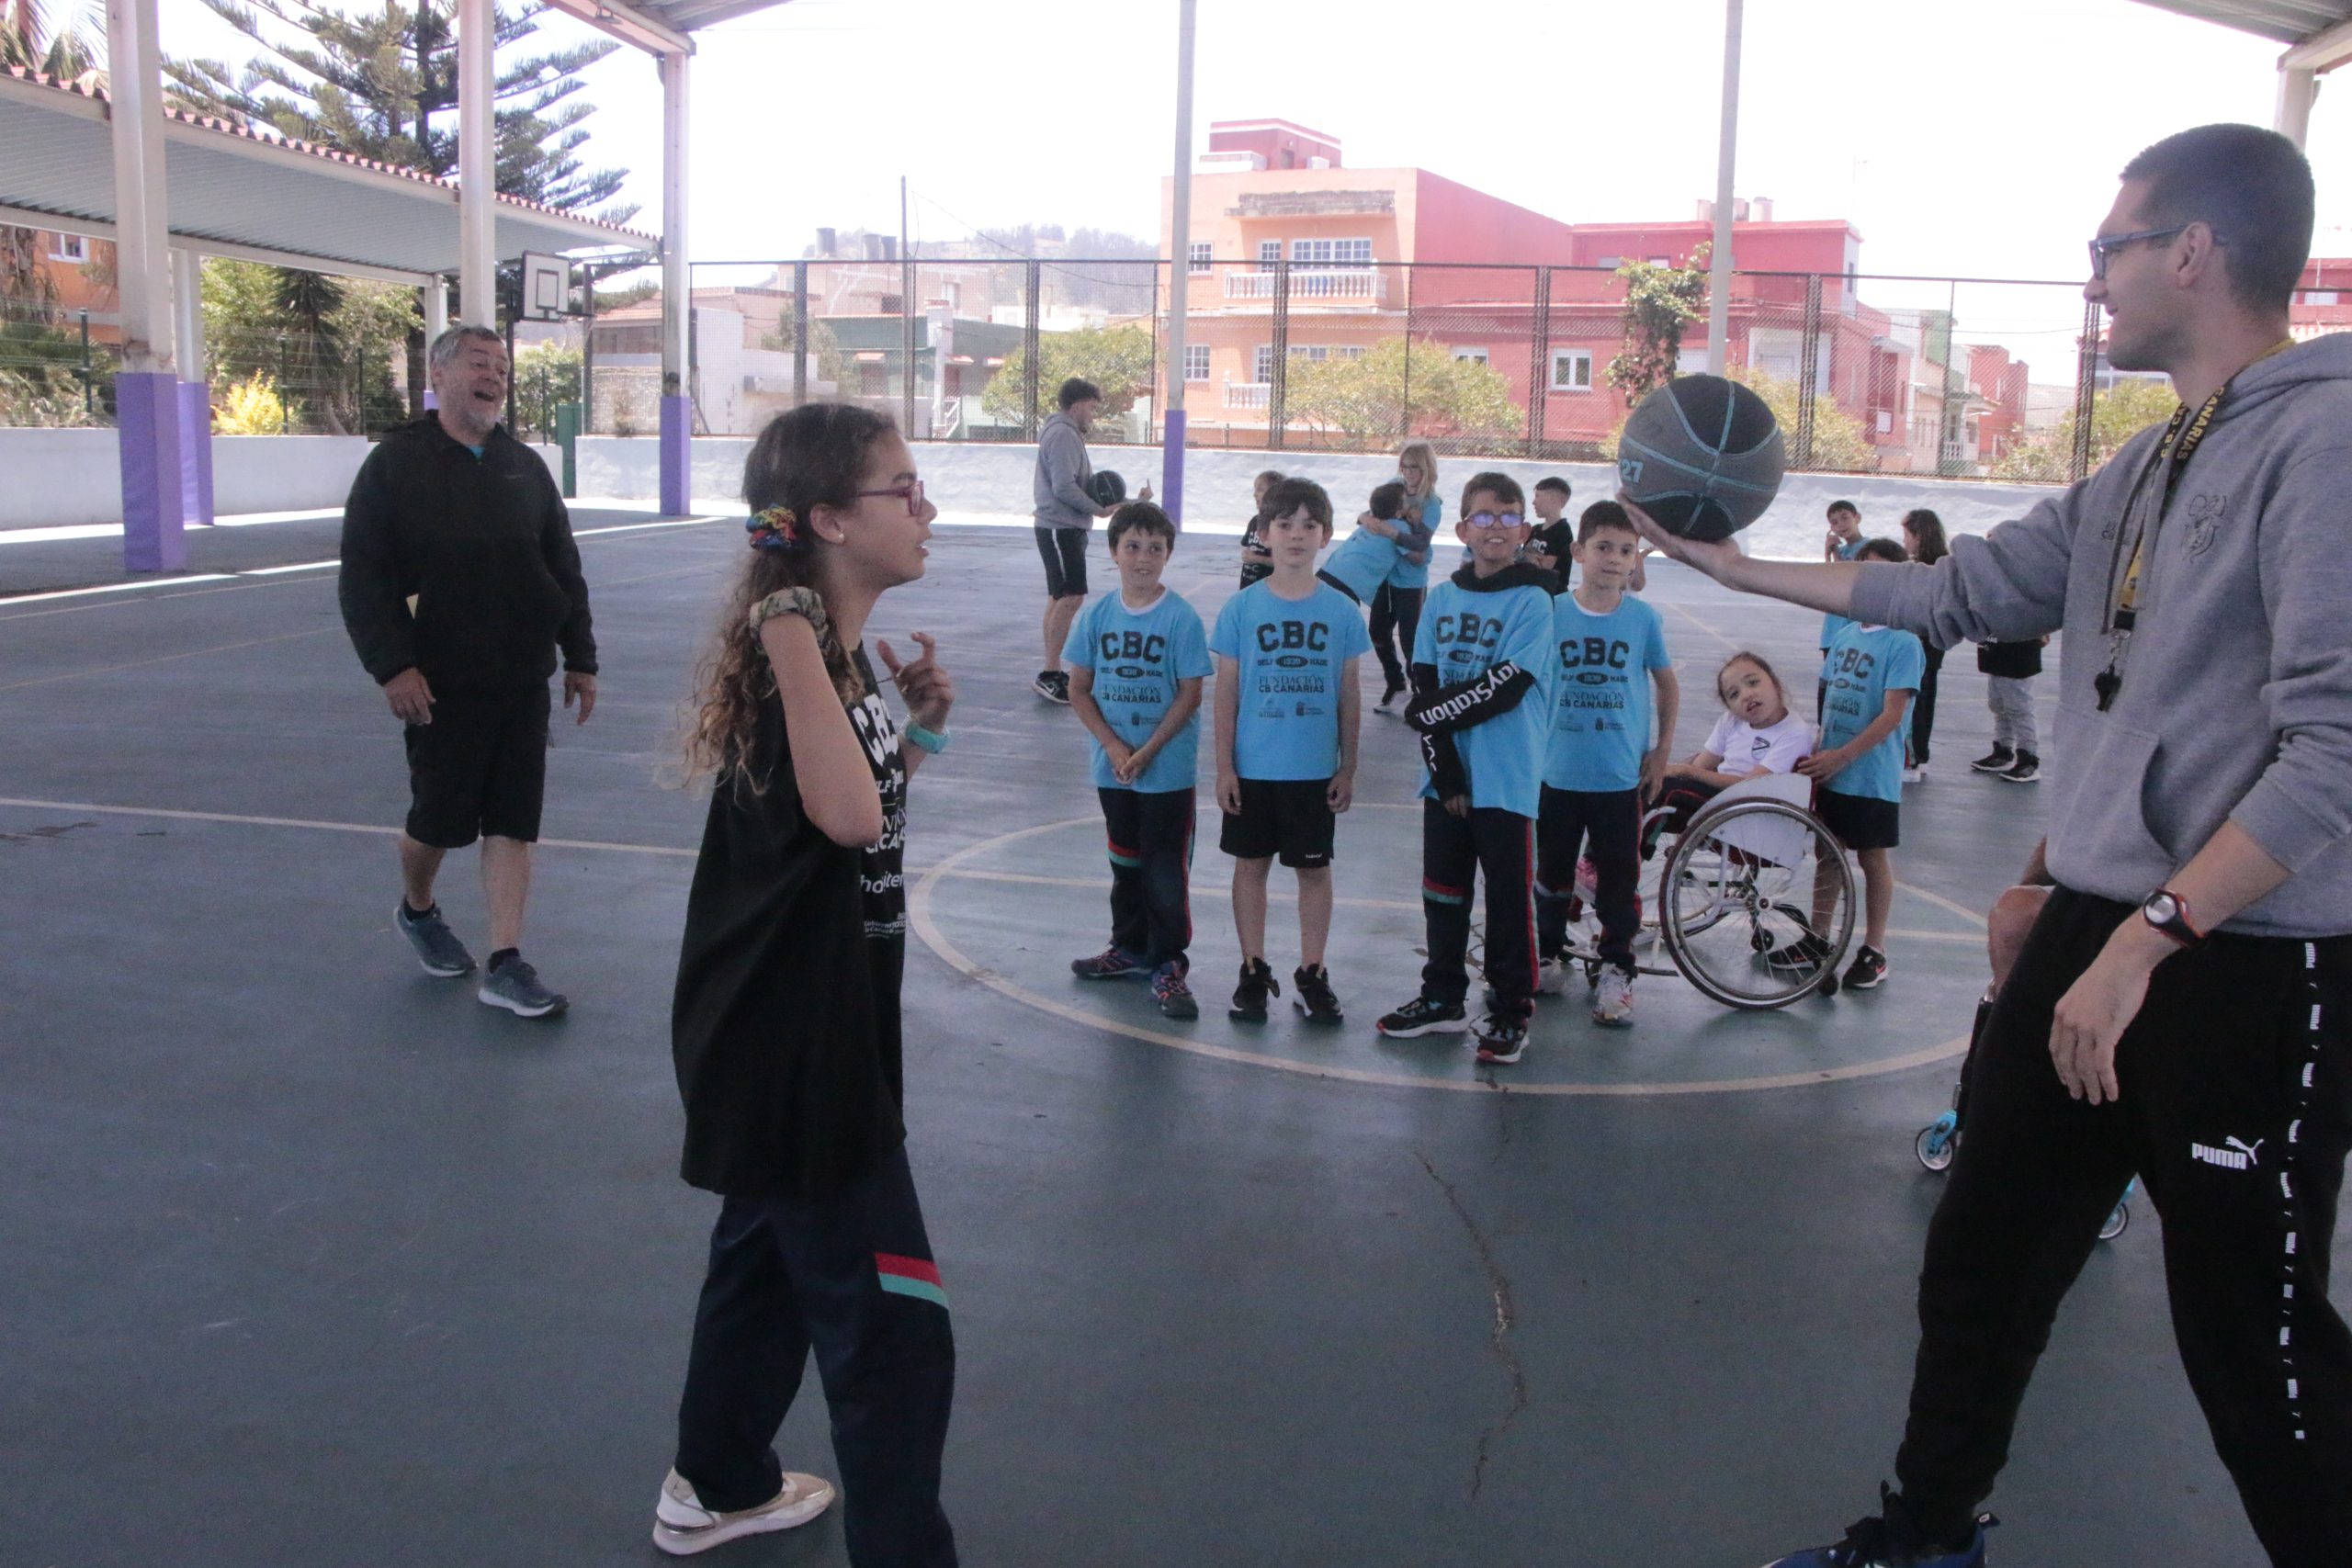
{"points": [[1956, 377], [57, 366]]}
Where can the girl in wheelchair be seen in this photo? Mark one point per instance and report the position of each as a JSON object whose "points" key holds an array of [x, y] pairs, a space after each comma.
{"points": [[1757, 734]]}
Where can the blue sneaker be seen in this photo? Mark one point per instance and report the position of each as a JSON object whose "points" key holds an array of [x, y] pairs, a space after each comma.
{"points": [[1111, 963], [1871, 1544]]}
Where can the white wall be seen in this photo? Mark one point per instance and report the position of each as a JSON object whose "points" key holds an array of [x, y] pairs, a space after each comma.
{"points": [[61, 478], [968, 478]]}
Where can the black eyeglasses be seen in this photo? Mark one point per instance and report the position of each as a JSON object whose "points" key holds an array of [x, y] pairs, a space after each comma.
{"points": [[2106, 245], [912, 493]]}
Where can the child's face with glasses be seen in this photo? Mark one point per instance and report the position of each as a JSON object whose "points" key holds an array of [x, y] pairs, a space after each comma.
{"points": [[1492, 527]]}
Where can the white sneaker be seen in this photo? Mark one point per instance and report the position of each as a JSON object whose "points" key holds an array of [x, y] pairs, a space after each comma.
{"points": [[1613, 1002], [1915, 776], [681, 1526], [1551, 977]]}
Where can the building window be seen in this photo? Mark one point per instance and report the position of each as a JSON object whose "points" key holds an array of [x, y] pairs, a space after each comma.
{"points": [[1196, 362], [1261, 364], [2319, 296], [1571, 370], [1309, 351], [68, 248], [1476, 356], [1269, 253], [1347, 351], [1331, 253], [889, 305], [1197, 257]]}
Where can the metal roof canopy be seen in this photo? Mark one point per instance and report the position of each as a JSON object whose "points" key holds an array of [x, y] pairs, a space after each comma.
{"points": [[234, 193], [659, 27], [2294, 22]]}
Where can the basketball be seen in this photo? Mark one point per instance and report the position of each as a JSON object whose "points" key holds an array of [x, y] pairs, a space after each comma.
{"points": [[1109, 487], [1702, 455]]}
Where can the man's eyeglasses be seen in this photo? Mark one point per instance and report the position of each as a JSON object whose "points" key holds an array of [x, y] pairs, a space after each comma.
{"points": [[1494, 519], [2106, 245], [911, 494]]}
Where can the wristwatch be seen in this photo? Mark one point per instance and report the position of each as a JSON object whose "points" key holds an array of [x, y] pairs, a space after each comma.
{"points": [[2168, 912]]}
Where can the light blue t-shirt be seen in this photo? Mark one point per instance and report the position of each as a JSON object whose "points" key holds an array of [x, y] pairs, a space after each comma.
{"points": [[1464, 633], [1138, 656], [1601, 718], [1832, 625], [1362, 560], [1864, 664], [1415, 574], [1292, 656]]}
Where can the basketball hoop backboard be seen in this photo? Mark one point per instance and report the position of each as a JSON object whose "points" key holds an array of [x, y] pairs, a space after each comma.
{"points": [[547, 287]]}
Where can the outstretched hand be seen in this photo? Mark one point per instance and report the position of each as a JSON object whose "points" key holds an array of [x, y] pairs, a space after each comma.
{"points": [[1713, 557], [923, 684]]}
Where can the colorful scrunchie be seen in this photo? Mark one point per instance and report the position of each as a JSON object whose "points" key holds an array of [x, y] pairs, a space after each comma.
{"points": [[776, 528]]}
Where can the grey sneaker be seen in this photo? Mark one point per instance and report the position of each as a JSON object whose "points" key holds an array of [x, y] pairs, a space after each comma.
{"points": [[514, 985], [681, 1526], [437, 947]]}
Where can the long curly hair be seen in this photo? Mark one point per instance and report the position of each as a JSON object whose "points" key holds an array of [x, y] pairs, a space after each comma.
{"points": [[814, 455]]}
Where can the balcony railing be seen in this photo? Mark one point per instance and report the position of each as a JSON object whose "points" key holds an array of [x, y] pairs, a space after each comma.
{"points": [[1360, 284], [1246, 394]]}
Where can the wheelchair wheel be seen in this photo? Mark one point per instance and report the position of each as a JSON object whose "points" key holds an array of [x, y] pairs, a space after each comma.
{"points": [[2117, 1219], [1744, 883], [1938, 1141]]}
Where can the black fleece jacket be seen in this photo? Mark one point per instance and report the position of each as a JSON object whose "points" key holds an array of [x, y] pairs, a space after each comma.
{"points": [[484, 547]]}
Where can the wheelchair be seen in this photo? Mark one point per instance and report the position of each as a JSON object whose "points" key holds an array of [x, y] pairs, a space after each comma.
{"points": [[1754, 874]]}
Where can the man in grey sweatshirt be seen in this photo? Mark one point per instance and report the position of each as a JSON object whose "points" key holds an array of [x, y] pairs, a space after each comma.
{"points": [[2183, 1009], [1066, 512]]}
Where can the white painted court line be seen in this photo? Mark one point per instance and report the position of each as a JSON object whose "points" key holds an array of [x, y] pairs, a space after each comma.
{"points": [[308, 824]]}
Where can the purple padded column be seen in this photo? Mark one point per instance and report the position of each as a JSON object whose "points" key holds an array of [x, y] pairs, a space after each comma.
{"points": [[196, 452], [147, 421], [1171, 466], [677, 498]]}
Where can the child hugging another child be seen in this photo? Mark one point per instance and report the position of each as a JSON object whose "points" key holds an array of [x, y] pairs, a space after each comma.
{"points": [[1136, 658], [1482, 684], [1367, 558]]}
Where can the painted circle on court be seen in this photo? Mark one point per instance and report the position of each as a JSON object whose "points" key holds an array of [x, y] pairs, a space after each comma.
{"points": [[1011, 911]]}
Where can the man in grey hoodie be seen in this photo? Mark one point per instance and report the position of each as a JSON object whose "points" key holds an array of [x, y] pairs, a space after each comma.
{"points": [[2184, 1006], [1066, 512]]}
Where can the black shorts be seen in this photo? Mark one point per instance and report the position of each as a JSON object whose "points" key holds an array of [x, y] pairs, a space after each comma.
{"points": [[1064, 552], [1289, 817], [481, 767], [1860, 821]]}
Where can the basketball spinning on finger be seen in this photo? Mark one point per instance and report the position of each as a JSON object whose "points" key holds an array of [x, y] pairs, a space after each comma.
{"points": [[1702, 455]]}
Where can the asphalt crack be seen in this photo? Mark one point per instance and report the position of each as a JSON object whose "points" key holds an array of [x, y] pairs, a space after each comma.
{"points": [[1499, 1339]]}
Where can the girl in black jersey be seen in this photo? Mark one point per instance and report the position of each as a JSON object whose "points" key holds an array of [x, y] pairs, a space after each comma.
{"points": [[785, 1027]]}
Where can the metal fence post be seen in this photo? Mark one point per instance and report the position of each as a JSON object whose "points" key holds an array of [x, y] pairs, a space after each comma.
{"points": [[1032, 346], [1808, 370], [2086, 394], [1539, 378], [1278, 390], [284, 405], [90, 373], [1405, 403], [800, 334]]}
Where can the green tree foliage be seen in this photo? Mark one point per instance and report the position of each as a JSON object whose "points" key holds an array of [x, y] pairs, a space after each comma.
{"points": [[547, 375], [2116, 414], [827, 362], [1838, 440], [1117, 359], [1659, 302], [383, 84], [1365, 399], [55, 38], [326, 345]]}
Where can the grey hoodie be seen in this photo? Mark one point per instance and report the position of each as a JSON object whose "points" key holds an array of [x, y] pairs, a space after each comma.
{"points": [[1062, 472], [2236, 700]]}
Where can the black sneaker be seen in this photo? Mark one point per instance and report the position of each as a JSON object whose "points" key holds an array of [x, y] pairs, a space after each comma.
{"points": [[2025, 769], [2000, 760], [1315, 997], [437, 947], [1257, 983], [1883, 1542], [1867, 971], [1421, 1016], [1113, 962], [1174, 997], [1800, 956], [1501, 1041], [1053, 685]]}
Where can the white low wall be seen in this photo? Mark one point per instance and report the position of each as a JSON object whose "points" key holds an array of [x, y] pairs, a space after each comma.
{"points": [[973, 477], [72, 478]]}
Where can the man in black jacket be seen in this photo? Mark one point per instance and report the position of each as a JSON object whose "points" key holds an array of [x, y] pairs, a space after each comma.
{"points": [[459, 582]]}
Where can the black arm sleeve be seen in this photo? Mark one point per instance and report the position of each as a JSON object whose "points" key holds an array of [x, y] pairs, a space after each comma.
{"points": [[1498, 691], [576, 635], [1448, 778], [375, 612]]}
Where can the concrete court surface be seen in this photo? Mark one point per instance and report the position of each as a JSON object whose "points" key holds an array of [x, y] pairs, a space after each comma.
{"points": [[314, 1260]]}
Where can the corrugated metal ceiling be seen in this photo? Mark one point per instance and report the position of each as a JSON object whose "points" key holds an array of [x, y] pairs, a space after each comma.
{"points": [[2285, 21]]}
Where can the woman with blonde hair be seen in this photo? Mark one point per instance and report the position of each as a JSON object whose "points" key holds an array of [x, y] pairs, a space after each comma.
{"points": [[1397, 606]]}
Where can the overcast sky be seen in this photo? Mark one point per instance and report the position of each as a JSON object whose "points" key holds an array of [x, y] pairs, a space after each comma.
{"points": [[1980, 139]]}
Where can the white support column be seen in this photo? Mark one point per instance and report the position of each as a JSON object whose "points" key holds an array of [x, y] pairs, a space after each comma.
{"points": [[187, 313], [677, 295], [2296, 91], [1720, 259], [195, 387], [147, 394], [1179, 276], [436, 321], [477, 166]]}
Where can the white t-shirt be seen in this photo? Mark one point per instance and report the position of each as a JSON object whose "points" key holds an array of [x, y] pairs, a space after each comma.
{"points": [[1744, 747]]}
